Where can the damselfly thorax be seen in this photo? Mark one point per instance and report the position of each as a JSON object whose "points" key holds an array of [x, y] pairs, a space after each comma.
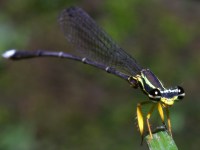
{"points": [[158, 94]]}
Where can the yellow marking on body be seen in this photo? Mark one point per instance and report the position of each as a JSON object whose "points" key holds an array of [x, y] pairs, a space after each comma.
{"points": [[148, 82], [168, 101]]}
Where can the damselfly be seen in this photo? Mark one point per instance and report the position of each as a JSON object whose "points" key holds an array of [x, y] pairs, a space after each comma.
{"points": [[99, 50]]}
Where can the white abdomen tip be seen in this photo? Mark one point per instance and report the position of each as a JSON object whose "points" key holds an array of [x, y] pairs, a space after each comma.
{"points": [[9, 53]]}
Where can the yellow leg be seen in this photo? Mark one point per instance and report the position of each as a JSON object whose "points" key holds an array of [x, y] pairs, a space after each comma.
{"points": [[160, 110], [140, 117], [168, 121], [147, 119]]}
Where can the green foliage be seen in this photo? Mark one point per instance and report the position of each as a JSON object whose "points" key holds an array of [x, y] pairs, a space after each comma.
{"points": [[161, 141], [18, 137], [175, 32], [9, 35]]}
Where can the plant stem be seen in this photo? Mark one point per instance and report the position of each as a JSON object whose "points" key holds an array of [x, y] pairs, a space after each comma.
{"points": [[161, 141]]}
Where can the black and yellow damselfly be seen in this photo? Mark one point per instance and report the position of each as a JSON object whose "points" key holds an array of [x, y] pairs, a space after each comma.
{"points": [[98, 49]]}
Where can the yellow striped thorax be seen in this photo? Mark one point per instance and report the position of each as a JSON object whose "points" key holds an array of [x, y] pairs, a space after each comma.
{"points": [[155, 90]]}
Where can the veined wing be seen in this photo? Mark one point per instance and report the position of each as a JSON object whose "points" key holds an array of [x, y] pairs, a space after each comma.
{"points": [[94, 43]]}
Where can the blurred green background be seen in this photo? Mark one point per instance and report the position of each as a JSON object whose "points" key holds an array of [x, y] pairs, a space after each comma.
{"points": [[55, 104]]}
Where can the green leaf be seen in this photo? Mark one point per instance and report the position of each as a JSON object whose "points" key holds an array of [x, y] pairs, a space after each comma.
{"points": [[161, 141]]}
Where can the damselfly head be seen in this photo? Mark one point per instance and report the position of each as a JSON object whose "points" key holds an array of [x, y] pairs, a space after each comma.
{"points": [[155, 90], [167, 96], [155, 94], [181, 92]]}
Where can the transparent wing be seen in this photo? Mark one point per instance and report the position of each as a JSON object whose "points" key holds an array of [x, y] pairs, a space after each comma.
{"points": [[93, 43]]}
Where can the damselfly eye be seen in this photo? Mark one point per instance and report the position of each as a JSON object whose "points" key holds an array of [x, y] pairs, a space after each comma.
{"points": [[154, 94], [181, 92]]}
